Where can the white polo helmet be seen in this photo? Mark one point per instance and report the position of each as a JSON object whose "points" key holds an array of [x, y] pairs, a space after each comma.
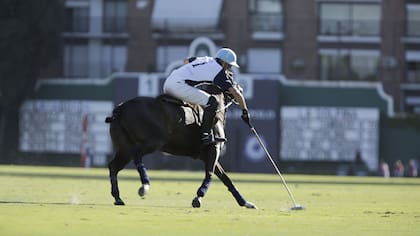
{"points": [[227, 55]]}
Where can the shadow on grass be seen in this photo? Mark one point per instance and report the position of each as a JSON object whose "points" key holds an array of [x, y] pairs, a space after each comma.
{"points": [[53, 203], [187, 207], [199, 178]]}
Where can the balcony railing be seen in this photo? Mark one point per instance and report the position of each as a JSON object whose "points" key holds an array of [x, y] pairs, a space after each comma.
{"points": [[350, 27], [267, 22], [185, 25], [115, 24], [91, 24], [77, 25], [348, 72], [413, 28], [413, 76]]}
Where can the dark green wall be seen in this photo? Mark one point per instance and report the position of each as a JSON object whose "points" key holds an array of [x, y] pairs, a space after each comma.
{"points": [[399, 137], [332, 96], [76, 91]]}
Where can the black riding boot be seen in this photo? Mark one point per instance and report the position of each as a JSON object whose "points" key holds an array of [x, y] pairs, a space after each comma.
{"points": [[207, 136]]}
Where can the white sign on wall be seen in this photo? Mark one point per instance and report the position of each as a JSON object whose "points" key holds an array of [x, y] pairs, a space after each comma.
{"points": [[247, 84], [56, 126], [330, 134], [148, 85]]}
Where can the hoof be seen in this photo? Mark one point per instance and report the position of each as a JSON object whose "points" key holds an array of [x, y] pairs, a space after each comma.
{"points": [[196, 202], [143, 190], [119, 202], [250, 205]]}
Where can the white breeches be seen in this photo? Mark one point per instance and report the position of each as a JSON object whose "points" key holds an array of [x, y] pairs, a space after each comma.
{"points": [[179, 89]]}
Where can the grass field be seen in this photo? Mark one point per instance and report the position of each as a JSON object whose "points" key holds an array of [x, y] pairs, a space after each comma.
{"points": [[71, 201]]}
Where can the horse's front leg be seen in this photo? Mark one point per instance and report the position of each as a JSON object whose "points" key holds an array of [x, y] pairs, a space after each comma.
{"points": [[209, 156], [220, 172], [144, 178], [202, 190]]}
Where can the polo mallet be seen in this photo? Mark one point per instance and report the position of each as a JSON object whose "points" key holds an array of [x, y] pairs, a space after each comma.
{"points": [[295, 206]]}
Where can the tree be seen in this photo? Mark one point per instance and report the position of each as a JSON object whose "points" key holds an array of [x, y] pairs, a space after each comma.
{"points": [[30, 36]]}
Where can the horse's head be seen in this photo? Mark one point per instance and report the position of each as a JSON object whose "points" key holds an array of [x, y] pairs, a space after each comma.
{"points": [[229, 99], [225, 98]]}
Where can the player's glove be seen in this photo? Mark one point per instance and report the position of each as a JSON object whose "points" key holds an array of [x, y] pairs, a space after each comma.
{"points": [[245, 117]]}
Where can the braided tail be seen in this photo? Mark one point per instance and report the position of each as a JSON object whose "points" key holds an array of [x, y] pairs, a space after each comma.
{"points": [[115, 114], [109, 119]]}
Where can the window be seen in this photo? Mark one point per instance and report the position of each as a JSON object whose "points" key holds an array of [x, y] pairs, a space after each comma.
{"points": [[76, 60], [266, 60], [413, 20], [413, 66], [169, 54], [77, 19], [114, 59], [266, 15], [348, 64], [413, 71], [350, 19], [115, 16], [186, 16]]}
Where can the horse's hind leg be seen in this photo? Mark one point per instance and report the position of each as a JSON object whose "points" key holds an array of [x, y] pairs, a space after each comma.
{"points": [[117, 164], [220, 172], [144, 178]]}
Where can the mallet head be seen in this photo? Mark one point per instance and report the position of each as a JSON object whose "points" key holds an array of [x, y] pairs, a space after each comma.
{"points": [[297, 208]]}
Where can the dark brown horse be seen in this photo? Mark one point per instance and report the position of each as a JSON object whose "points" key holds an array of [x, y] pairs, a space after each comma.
{"points": [[144, 125]]}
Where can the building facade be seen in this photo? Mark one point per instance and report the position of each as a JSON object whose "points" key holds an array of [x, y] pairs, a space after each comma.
{"points": [[325, 40]]}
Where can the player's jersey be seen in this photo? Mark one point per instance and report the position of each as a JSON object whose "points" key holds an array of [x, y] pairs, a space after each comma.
{"points": [[204, 69]]}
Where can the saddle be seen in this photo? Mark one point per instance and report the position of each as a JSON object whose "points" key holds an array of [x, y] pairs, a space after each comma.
{"points": [[170, 99], [192, 114]]}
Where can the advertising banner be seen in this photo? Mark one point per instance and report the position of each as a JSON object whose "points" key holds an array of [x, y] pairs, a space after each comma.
{"points": [[243, 152], [330, 134], [56, 126]]}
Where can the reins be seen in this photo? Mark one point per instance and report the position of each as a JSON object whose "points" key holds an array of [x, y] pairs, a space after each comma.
{"points": [[224, 107]]}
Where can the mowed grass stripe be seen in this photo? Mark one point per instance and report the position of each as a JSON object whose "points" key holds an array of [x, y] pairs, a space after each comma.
{"points": [[54, 205], [193, 176]]}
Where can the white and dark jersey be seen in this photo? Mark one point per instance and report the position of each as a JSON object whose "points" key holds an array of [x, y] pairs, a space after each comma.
{"points": [[205, 69]]}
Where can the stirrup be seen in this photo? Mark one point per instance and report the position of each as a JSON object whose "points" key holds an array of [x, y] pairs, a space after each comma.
{"points": [[208, 138]]}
